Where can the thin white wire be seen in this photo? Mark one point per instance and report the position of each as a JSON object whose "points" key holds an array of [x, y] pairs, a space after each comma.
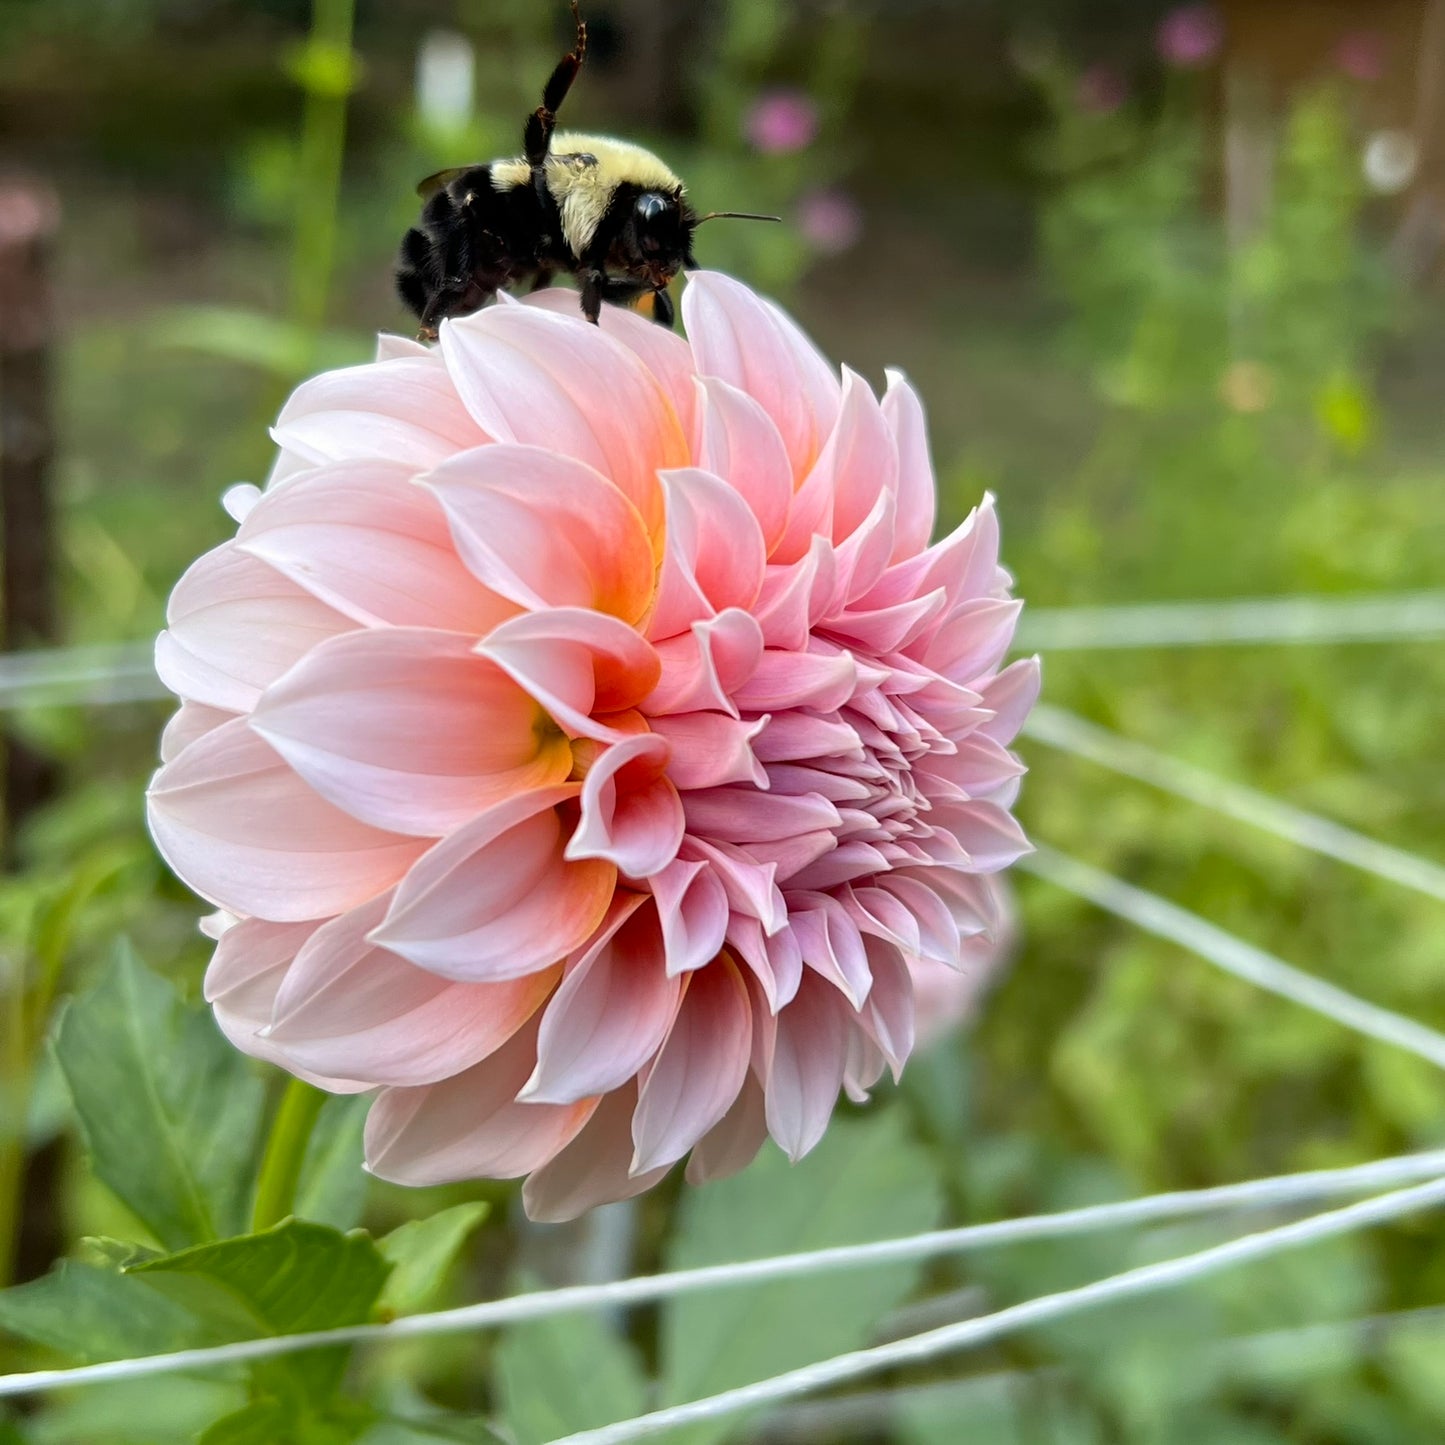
{"points": [[1158, 916], [1379, 617], [1274, 1192], [1072, 734], [1131, 1284]]}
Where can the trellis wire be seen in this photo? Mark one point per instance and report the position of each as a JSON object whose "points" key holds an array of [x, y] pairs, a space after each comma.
{"points": [[1063, 730], [1158, 916], [1379, 617], [918, 1349], [1276, 1192]]}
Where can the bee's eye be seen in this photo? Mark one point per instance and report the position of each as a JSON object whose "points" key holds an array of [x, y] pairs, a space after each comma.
{"points": [[652, 216]]}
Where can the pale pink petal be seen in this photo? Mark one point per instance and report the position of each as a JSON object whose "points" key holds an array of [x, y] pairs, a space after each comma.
{"points": [[193, 720], [532, 377], [974, 640], [693, 907], [610, 1015], [739, 443], [592, 1169], [497, 899], [1010, 696], [805, 1067], [404, 409], [408, 729], [701, 669], [546, 531], [699, 1069], [366, 539], [470, 1125], [753, 346], [730, 1146], [708, 749], [917, 490], [631, 814], [576, 663], [349, 1008], [830, 943], [233, 626], [988, 833], [244, 831], [785, 680]]}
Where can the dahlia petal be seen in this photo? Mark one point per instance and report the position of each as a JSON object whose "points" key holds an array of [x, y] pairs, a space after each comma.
{"points": [[988, 833], [977, 767], [974, 639], [739, 442], [972, 900], [592, 1169], [497, 900], [610, 1015], [693, 907], [744, 815], [404, 410], [699, 1069], [662, 351], [862, 456], [831, 944], [702, 668], [752, 345], [917, 489], [470, 1125], [888, 629], [750, 887], [791, 856], [234, 625], [785, 680], [711, 529], [711, 748], [544, 530], [364, 538], [531, 377], [576, 663], [409, 730], [805, 1066], [1010, 696], [390, 347], [794, 596], [733, 1143], [864, 1066], [631, 814], [937, 928], [192, 720], [791, 736], [349, 1008], [246, 833], [774, 963], [887, 1016]]}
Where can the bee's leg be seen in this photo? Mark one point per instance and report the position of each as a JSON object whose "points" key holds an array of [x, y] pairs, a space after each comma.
{"points": [[537, 138], [594, 284], [663, 311]]}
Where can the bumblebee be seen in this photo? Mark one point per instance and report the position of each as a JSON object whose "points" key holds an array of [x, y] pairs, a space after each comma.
{"points": [[606, 211]]}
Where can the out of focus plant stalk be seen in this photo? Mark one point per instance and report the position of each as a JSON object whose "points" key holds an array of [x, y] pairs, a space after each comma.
{"points": [[14, 1100], [327, 71], [285, 1153]]}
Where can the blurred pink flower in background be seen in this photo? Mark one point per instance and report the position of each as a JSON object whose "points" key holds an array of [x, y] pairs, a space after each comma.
{"points": [[781, 122], [831, 221], [1101, 90], [1361, 56], [586, 749], [1191, 37]]}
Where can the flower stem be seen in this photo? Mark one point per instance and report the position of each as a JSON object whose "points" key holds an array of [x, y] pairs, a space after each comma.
{"points": [[285, 1151]]}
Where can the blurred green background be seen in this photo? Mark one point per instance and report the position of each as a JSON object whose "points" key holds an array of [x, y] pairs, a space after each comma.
{"points": [[1169, 282]]}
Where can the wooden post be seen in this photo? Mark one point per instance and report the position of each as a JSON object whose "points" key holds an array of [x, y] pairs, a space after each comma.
{"points": [[29, 215]]}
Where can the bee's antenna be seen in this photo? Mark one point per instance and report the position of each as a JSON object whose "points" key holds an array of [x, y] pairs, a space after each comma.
{"points": [[735, 216]]}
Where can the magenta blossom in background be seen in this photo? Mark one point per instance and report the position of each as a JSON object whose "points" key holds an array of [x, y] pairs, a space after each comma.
{"points": [[1361, 56], [1101, 90], [587, 751], [782, 121], [1191, 37], [831, 221]]}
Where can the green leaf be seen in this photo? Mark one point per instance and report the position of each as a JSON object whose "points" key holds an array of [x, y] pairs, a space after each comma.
{"points": [[421, 1252], [90, 1313], [168, 1110], [260, 1423], [866, 1181], [332, 1188], [564, 1374], [291, 1279]]}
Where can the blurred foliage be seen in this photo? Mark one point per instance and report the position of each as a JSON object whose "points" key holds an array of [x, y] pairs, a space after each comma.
{"points": [[1186, 406]]}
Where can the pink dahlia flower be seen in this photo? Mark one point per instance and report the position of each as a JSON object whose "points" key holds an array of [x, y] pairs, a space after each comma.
{"points": [[585, 746]]}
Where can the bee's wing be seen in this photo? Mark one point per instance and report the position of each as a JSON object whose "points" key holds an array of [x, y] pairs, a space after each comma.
{"points": [[440, 181]]}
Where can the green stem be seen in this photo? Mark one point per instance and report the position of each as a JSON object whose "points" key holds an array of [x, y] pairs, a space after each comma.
{"points": [[285, 1151]]}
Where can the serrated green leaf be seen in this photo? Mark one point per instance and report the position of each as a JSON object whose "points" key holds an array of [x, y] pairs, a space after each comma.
{"points": [[332, 1187], [291, 1279], [564, 1374], [865, 1181], [421, 1252], [167, 1109], [90, 1313]]}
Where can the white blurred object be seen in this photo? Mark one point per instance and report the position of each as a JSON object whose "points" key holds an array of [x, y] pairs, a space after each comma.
{"points": [[445, 80], [1391, 159]]}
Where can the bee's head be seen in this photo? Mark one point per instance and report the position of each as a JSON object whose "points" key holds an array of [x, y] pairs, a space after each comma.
{"points": [[657, 237]]}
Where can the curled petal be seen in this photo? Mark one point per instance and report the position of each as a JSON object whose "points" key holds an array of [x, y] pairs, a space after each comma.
{"points": [[631, 814], [692, 905], [497, 899], [707, 749]]}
